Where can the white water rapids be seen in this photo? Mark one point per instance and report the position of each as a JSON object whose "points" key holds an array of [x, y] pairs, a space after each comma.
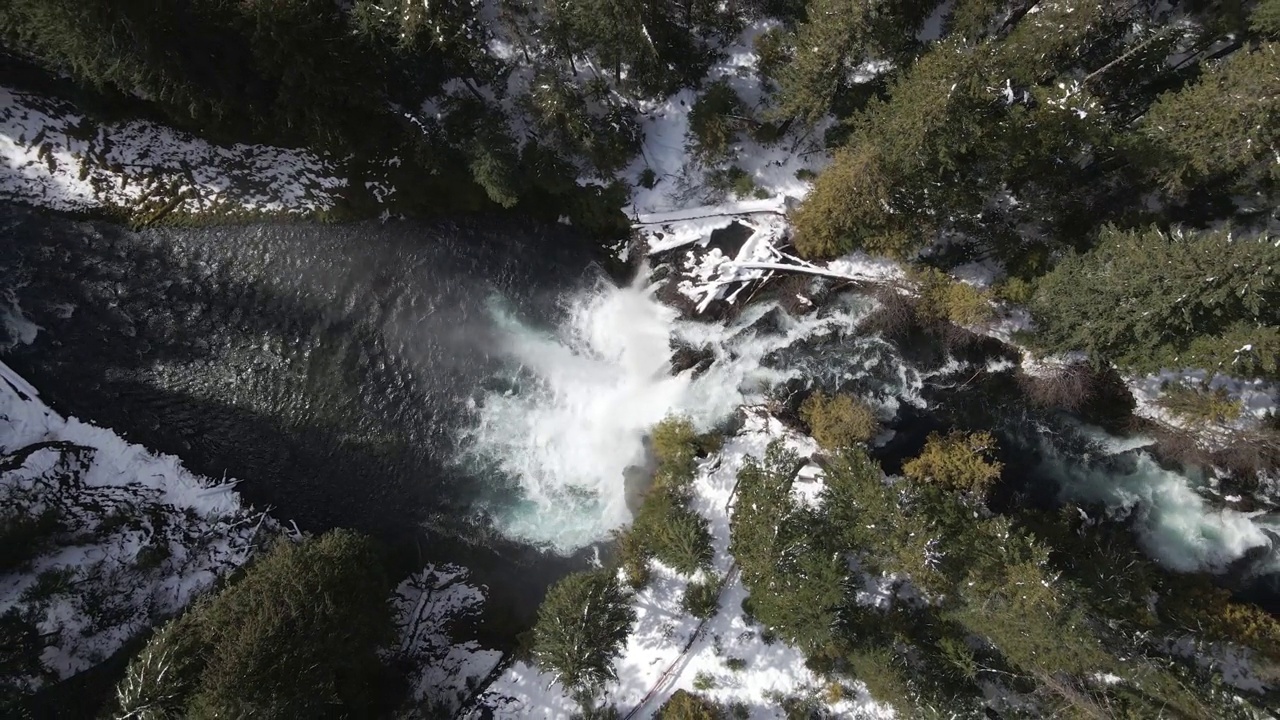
{"points": [[576, 413]]}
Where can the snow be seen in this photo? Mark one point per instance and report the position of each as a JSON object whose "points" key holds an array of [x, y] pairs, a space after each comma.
{"points": [[429, 606], [53, 158], [1257, 397], [144, 535], [1235, 663], [652, 666], [681, 182]]}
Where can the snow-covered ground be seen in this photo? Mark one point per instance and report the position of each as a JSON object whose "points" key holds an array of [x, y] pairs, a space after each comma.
{"points": [[727, 659], [52, 157], [428, 606], [1257, 398], [137, 535]]}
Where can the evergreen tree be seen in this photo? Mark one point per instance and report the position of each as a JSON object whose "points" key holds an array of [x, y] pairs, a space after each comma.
{"points": [[1150, 299], [796, 577], [582, 625], [1223, 129], [298, 635], [957, 461]]}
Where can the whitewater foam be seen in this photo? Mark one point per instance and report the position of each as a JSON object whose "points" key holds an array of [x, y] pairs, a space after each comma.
{"points": [[579, 400], [1176, 525]]}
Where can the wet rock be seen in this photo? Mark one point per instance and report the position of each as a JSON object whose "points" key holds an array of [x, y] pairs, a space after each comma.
{"points": [[728, 240], [685, 357], [636, 480], [773, 322]]}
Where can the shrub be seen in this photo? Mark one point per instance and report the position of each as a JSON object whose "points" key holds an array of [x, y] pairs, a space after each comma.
{"points": [[1015, 291], [956, 461], [297, 636], [735, 664], [684, 705], [714, 120], [1198, 404], [1097, 394], [942, 298], [838, 421], [736, 181], [582, 625], [701, 599], [704, 681]]}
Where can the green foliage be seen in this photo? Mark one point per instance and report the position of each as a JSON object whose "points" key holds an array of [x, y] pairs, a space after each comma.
{"points": [[838, 421], [648, 49], [715, 119], [673, 531], [1223, 129], [880, 671], [1265, 19], [582, 625], [21, 645], [1149, 299], [831, 42], [298, 635], [25, 536], [735, 181], [1015, 291], [875, 195], [676, 446], [797, 583], [684, 705], [957, 461], [771, 54], [633, 555], [735, 664], [1199, 404], [606, 138], [704, 681], [942, 298], [49, 583], [701, 599], [666, 526]]}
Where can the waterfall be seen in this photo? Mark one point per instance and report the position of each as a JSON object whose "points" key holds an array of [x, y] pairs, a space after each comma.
{"points": [[576, 402], [558, 430]]}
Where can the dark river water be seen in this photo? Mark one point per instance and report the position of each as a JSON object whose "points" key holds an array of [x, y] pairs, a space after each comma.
{"points": [[326, 367]]}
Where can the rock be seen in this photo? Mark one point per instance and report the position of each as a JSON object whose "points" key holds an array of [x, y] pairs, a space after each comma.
{"points": [[635, 481], [685, 357]]}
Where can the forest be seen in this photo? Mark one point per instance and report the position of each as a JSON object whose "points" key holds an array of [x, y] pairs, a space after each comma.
{"points": [[1118, 162], [1053, 138]]}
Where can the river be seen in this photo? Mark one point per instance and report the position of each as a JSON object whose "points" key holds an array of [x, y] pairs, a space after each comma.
{"points": [[476, 391]]}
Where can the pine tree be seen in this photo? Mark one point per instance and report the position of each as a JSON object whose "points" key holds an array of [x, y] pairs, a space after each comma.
{"points": [[582, 625], [890, 190], [1223, 129], [796, 577], [298, 635], [1150, 299]]}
